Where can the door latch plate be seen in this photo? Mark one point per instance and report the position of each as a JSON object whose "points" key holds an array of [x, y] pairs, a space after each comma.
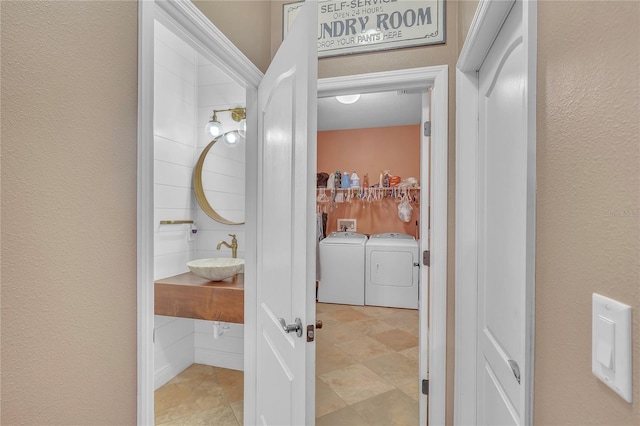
{"points": [[311, 334]]}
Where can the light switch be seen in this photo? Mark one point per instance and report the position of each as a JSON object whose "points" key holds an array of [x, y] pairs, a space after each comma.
{"points": [[611, 344], [606, 342]]}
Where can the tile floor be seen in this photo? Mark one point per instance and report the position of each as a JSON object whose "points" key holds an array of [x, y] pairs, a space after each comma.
{"points": [[366, 374]]}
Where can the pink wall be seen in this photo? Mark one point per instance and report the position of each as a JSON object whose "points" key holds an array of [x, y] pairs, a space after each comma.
{"points": [[396, 149]]}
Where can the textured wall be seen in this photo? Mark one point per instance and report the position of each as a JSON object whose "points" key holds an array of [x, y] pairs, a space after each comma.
{"points": [[369, 151], [246, 23], [466, 12], [69, 96], [588, 167]]}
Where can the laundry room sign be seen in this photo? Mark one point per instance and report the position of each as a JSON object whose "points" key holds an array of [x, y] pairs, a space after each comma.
{"points": [[356, 26]]}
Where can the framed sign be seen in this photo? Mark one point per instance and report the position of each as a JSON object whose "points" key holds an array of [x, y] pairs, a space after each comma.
{"points": [[356, 26]]}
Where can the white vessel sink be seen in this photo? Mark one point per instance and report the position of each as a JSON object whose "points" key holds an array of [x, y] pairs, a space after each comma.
{"points": [[216, 268]]}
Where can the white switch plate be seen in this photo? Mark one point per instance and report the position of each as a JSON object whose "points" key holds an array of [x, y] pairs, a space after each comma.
{"points": [[611, 344]]}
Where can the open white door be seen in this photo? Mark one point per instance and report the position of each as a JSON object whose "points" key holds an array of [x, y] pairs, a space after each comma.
{"points": [[504, 261], [495, 215], [285, 385]]}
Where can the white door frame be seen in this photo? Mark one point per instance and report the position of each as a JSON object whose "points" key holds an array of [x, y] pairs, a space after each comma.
{"points": [[435, 305], [187, 22], [486, 24]]}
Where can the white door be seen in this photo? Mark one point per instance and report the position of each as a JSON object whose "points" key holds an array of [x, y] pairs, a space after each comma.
{"points": [[285, 386], [502, 229]]}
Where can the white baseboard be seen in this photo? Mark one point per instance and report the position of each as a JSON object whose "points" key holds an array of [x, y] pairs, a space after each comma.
{"points": [[230, 360], [167, 373]]}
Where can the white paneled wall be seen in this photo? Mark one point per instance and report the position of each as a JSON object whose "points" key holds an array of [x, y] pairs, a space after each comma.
{"points": [[186, 90], [224, 168], [226, 351], [175, 149], [174, 153], [224, 173]]}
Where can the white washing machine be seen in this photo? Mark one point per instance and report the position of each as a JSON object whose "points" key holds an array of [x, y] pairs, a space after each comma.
{"points": [[342, 268], [392, 271]]}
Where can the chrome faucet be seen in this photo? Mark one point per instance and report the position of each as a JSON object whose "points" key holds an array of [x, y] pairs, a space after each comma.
{"points": [[233, 246]]}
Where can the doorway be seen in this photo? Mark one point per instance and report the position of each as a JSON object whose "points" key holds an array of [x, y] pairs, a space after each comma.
{"points": [[367, 352], [433, 228], [182, 57]]}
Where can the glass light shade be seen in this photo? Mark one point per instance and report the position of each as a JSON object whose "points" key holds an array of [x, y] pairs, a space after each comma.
{"points": [[242, 131], [214, 129], [231, 139], [347, 99]]}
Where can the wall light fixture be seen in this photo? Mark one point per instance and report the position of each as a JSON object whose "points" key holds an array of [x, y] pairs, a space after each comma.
{"points": [[215, 129]]}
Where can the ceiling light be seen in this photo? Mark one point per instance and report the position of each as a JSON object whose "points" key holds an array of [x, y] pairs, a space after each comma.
{"points": [[347, 99]]}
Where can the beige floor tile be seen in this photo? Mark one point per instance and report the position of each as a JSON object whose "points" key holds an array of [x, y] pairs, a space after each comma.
{"points": [[411, 388], [397, 340], [375, 311], [200, 395], [327, 401], [330, 307], [324, 316], [363, 349], [390, 408], [370, 326], [177, 411], [408, 314], [232, 382], [394, 368], [405, 314], [330, 358], [348, 314], [344, 417], [413, 353], [220, 416], [355, 383], [209, 395], [238, 410], [173, 401], [333, 332], [195, 372]]}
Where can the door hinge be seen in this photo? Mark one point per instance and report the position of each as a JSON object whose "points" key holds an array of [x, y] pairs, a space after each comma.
{"points": [[427, 128], [426, 258], [425, 387]]}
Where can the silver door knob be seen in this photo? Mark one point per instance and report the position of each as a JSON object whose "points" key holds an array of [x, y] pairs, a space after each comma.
{"points": [[288, 328]]}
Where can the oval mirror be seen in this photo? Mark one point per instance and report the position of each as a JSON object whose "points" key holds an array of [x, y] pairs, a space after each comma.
{"points": [[218, 182]]}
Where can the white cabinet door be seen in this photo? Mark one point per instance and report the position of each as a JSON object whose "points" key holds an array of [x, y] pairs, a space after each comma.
{"points": [[285, 386], [502, 226]]}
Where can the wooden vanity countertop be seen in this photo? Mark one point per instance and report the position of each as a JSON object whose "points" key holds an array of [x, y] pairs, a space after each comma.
{"points": [[189, 296]]}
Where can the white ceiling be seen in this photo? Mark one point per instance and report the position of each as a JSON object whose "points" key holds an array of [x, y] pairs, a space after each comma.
{"points": [[382, 109]]}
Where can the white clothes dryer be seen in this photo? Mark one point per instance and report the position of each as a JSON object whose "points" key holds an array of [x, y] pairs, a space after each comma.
{"points": [[392, 271], [342, 268]]}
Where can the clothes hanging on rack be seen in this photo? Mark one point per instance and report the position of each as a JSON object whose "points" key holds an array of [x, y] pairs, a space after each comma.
{"points": [[319, 237], [325, 217]]}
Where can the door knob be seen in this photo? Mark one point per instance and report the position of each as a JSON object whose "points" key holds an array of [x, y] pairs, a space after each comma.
{"points": [[318, 323], [288, 328]]}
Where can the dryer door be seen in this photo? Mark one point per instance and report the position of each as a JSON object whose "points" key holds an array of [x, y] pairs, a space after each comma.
{"points": [[392, 277]]}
